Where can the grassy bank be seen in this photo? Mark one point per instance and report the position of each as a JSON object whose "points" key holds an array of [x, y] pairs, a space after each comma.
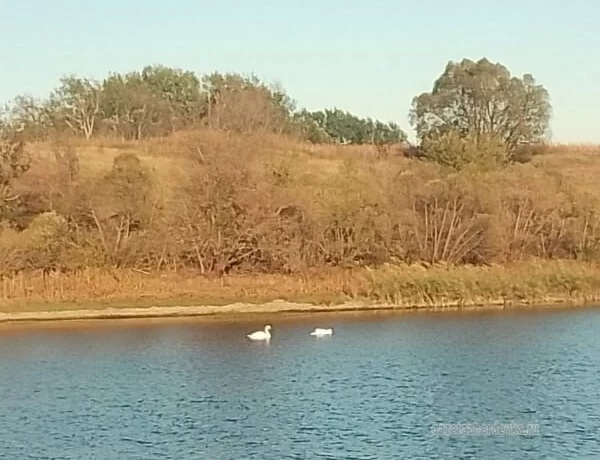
{"points": [[402, 287]]}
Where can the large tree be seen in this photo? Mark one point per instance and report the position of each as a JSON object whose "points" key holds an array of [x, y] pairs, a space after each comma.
{"points": [[482, 97], [77, 102]]}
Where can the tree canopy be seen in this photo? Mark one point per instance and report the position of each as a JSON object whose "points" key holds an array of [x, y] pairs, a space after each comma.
{"points": [[76, 102], [245, 104], [339, 126], [476, 102], [158, 100], [474, 98]]}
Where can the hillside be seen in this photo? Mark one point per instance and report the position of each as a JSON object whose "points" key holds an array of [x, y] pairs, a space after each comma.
{"points": [[285, 218]]}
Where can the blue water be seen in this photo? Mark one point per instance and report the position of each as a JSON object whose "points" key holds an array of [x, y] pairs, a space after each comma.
{"points": [[377, 389]]}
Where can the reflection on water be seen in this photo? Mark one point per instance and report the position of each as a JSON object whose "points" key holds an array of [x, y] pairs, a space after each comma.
{"points": [[376, 389]]}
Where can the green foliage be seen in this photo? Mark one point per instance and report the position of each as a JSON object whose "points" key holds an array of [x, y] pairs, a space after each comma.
{"points": [[474, 98], [131, 108], [35, 118], [42, 244], [129, 185], [335, 125], [455, 151], [46, 232], [158, 100], [181, 88], [76, 102]]}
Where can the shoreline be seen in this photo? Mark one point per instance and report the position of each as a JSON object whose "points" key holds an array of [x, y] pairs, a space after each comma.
{"points": [[243, 311], [101, 295]]}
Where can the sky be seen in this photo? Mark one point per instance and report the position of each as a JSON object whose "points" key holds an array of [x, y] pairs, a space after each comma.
{"points": [[368, 57]]}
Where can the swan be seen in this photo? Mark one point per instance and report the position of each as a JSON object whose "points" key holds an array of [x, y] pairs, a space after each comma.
{"points": [[320, 332], [261, 335]]}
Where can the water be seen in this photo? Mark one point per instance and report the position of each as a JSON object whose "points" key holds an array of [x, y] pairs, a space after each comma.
{"points": [[377, 389]]}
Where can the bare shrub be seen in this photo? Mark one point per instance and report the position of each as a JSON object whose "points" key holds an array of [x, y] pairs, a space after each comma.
{"points": [[447, 222], [220, 204]]}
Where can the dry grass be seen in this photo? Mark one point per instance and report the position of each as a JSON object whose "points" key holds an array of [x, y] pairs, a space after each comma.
{"points": [[27, 291], [578, 164], [403, 286], [527, 283]]}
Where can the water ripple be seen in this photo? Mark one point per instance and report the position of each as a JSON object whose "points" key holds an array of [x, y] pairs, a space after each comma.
{"points": [[375, 390]]}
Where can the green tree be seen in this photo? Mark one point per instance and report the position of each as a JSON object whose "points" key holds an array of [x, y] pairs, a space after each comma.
{"points": [[310, 126], [385, 133], [474, 98], [343, 127], [122, 203], [154, 101], [129, 183], [456, 151], [131, 107], [180, 89], [33, 116], [77, 102]]}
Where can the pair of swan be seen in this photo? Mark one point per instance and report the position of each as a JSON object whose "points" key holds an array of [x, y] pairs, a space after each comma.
{"points": [[266, 334]]}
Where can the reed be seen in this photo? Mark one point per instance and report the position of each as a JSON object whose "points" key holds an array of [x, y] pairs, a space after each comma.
{"points": [[402, 286]]}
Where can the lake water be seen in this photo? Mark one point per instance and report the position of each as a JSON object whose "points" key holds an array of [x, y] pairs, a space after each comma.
{"points": [[380, 388]]}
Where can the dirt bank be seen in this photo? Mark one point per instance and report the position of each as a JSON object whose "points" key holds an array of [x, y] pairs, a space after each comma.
{"points": [[242, 309]]}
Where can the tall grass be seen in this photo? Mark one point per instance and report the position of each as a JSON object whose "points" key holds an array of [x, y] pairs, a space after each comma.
{"points": [[399, 286], [529, 283]]}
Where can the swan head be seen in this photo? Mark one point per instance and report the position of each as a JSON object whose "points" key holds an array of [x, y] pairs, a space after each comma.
{"points": [[267, 328]]}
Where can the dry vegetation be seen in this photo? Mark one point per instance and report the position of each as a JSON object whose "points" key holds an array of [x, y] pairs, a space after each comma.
{"points": [[206, 216]]}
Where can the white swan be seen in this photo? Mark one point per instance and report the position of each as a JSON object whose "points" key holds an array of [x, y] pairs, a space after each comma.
{"points": [[261, 335], [320, 332]]}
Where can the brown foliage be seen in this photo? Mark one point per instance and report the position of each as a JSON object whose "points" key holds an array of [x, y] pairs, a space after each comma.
{"points": [[220, 203]]}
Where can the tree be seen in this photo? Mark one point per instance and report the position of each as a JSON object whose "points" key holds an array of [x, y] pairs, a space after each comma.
{"points": [[180, 89], [343, 127], [245, 104], [34, 117], [132, 108], [474, 98], [77, 102], [14, 161], [385, 133], [121, 203], [310, 126]]}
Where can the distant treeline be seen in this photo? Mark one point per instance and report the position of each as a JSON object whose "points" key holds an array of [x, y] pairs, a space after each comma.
{"points": [[159, 100]]}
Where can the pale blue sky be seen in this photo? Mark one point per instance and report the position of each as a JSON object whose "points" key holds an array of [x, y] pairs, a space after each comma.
{"points": [[369, 57]]}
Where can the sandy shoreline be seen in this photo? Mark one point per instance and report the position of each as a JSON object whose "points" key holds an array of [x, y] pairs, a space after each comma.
{"points": [[243, 310]]}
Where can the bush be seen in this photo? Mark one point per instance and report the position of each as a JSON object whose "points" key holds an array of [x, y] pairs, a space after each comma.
{"points": [[252, 204], [453, 150]]}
